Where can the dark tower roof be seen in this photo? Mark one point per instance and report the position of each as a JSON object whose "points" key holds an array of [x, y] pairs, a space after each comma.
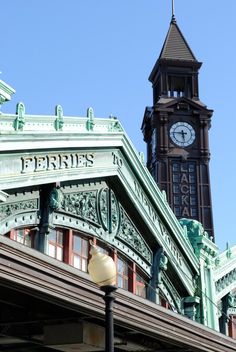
{"points": [[175, 51], [175, 46]]}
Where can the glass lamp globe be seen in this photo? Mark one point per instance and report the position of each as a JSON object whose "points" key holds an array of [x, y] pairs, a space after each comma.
{"points": [[101, 268]]}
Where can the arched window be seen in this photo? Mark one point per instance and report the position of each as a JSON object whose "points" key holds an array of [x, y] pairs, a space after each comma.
{"points": [[72, 247], [22, 235]]}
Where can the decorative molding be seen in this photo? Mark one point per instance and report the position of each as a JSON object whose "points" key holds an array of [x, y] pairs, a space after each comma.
{"points": [[199, 238], [170, 293], [232, 300], [108, 210], [130, 235], [101, 209], [59, 122], [90, 121], [77, 223], [8, 209], [83, 204], [115, 126], [19, 121], [38, 124], [20, 209], [226, 281], [191, 307], [56, 198]]}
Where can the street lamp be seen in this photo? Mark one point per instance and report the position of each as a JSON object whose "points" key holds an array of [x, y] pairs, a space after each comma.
{"points": [[102, 270]]}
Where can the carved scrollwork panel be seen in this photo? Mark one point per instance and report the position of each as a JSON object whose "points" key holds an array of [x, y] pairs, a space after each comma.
{"points": [[82, 204], [132, 237], [109, 210], [8, 209]]}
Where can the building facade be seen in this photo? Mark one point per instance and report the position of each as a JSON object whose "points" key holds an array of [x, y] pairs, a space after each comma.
{"points": [[67, 180]]}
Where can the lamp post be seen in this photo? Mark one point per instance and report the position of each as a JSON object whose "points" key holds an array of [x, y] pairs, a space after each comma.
{"points": [[102, 270]]}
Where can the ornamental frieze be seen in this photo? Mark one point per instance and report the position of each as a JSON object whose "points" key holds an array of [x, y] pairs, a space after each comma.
{"points": [[129, 234], [17, 207], [101, 207], [226, 280], [83, 204]]}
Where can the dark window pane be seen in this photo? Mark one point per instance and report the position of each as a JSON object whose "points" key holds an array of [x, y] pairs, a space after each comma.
{"points": [[206, 195], [193, 200], [204, 173], [191, 168], [191, 178], [192, 189], [162, 167], [177, 211], [176, 200], [176, 178], [176, 188], [207, 218], [193, 212], [175, 167]]}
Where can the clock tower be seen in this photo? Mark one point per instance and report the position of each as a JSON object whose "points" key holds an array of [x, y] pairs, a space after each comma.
{"points": [[176, 129]]}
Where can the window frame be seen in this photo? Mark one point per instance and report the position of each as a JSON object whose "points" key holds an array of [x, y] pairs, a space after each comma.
{"points": [[64, 251], [31, 233], [56, 244]]}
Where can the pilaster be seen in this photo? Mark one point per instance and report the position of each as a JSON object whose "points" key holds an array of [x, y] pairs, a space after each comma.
{"points": [[206, 251]]}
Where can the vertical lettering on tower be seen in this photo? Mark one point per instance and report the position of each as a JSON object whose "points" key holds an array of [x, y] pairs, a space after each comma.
{"points": [[184, 185]]}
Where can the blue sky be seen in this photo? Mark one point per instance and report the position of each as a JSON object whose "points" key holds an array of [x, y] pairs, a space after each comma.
{"points": [[99, 53]]}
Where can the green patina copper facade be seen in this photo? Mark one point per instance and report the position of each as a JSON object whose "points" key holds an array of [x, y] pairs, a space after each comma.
{"points": [[84, 174], [66, 181]]}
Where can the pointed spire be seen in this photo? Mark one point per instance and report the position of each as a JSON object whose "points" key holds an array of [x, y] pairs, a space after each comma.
{"points": [[175, 50], [175, 46]]}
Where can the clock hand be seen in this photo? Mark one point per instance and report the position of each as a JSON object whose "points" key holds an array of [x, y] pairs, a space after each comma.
{"points": [[183, 134]]}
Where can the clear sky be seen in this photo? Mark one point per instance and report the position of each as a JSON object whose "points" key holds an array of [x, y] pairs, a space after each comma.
{"points": [[99, 53]]}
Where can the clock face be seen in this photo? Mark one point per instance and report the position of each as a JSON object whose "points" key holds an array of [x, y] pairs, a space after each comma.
{"points": [[182, 134]]}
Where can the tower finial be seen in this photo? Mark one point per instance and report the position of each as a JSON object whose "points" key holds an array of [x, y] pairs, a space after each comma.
{"points": [[173, 20]]}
